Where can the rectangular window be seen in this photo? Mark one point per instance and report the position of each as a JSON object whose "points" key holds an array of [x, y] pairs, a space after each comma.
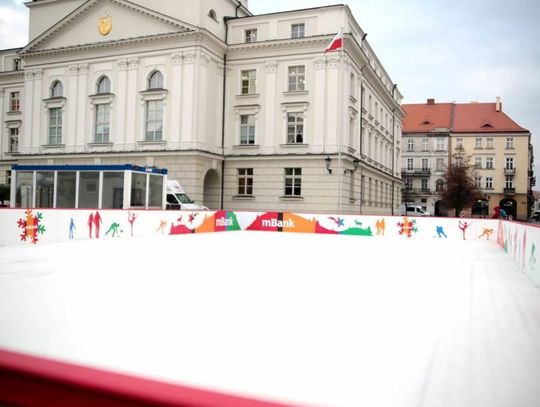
{"points": [[440, 164], [245, 181], [249, 80], [154, 120], [440, 144], [489, 163], [509, 163], [251, 35], [15, 101], [295, 128], [88, 189], [297, 78], [113, 187], [489, 142], [363, 189], [298, 30], [410, 164], [13, 139], [424, 164], [478, 162], [247, 129], [351, 85], [509, 182], [17, 64], [478, 142], [459, 142], [351, 133], [55, 125], [293, 181], [425, 144], [103, 123], [24, 189], [410, 144], [510, 143], [65, 190], [138, 189], [478, 182], [489, 182], [44, 189], [424, 184]]}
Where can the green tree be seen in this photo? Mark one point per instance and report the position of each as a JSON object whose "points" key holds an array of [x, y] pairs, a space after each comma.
{"points": [[460, 189]]}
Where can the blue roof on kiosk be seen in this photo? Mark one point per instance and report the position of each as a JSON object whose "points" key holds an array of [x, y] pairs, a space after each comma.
{"points": [[67, 167]]}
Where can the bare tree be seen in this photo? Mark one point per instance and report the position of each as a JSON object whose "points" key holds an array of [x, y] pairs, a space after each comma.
{"points": [[460, 189]]}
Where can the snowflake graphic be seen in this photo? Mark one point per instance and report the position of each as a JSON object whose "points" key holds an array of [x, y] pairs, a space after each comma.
{"points": [[31, 226], [407, 227]]}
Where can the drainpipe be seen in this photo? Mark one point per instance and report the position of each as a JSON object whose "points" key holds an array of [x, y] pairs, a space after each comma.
{"points": [[226, 21]]}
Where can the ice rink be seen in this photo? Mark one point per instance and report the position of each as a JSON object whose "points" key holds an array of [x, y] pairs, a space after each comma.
{"points": [[297, 318]]}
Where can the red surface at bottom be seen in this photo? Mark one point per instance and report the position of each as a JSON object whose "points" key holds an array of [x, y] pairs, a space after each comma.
{"points": [[31, 381]]}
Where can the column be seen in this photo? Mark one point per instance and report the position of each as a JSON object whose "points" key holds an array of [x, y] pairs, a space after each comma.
{"points": [[269, 111], [175, 100], [119, 135], [188, 100], [82, 111], [71, 109], [38, 112], [25, 140], [319, 89], [132, 100]]}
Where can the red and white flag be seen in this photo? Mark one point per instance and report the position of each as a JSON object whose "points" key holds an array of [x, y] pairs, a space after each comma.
{"points": [[336, 43]]}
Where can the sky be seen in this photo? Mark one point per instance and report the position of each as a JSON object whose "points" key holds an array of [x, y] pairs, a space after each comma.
{"points": [[452, 51]]}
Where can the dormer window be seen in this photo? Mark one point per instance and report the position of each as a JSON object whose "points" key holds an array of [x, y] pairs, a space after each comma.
{"points": [[57, 89], [426, 122], [155, 80], [104, 85], [487, 126]]}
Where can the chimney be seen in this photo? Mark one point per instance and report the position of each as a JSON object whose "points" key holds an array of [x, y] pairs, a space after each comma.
{"points": [[498, 104], [431, 101]]}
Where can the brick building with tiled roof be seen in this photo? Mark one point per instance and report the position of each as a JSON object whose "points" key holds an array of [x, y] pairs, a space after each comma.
{"points": [[499, 148]]}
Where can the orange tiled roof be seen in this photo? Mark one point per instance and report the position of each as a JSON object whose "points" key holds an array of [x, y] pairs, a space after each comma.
{"points": [[426, 117], [459, 117]]}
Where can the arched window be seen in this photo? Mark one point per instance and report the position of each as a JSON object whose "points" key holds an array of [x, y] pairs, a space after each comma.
{"points": [[155, 80], [57, 89], [212, 14], [104, 85]]}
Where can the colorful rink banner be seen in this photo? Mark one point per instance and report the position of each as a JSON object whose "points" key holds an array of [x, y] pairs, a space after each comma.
{"points": [[28, 227], [41, 226]]}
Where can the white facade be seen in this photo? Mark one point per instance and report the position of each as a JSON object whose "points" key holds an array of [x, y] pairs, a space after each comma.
{"points": [[297, 128]]}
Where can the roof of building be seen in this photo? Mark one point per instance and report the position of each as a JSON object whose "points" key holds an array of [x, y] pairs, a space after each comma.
{"points": [[458, 117]]}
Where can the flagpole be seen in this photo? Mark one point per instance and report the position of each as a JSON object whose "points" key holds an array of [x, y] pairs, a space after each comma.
{"points": [[340, 117]]}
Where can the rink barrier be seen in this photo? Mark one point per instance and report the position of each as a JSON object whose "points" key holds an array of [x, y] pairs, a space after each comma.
{"points": [[30, 381], [42, 226]]}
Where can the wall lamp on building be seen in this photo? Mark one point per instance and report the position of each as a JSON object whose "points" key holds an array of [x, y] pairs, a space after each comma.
{"points": [[328, 160], [355, 163]]}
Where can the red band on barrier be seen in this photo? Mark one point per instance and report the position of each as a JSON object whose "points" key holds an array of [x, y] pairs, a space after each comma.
{"points": [[33, 381]]}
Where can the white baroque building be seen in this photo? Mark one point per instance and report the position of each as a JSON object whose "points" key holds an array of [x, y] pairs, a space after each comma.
{"points": [[246, 111]]}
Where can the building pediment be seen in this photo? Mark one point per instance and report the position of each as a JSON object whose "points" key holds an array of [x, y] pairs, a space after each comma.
{"points": [[105, 21]]}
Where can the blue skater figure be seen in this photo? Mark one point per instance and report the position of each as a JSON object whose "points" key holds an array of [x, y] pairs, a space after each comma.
{"points": [[440, 232], [71, 228]]}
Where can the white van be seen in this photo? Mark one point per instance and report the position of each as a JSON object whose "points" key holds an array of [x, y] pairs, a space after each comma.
{"points": [[178, 199], [413, 210]]}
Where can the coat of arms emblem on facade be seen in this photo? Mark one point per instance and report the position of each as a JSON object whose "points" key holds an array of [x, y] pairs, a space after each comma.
{"points": [[105, 24]]}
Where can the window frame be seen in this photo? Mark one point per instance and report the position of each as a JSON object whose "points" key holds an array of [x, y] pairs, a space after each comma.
{"points": [[249, 38], [15, 101], [244, 179], [155, 80], [105, 83], [248, 84], [298, 30], [249, 138], [293, 177], [147, 122], [55, 139], [292, 138], [296, 78], [105, 122]]}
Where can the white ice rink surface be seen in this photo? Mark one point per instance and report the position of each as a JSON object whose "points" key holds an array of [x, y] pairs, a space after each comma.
{"points": [[306, 319]]}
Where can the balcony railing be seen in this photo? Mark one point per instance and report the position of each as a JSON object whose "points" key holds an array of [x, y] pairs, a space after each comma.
{"points": [[416, 191], [510, 171], [509, 191], [416, 172]]}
